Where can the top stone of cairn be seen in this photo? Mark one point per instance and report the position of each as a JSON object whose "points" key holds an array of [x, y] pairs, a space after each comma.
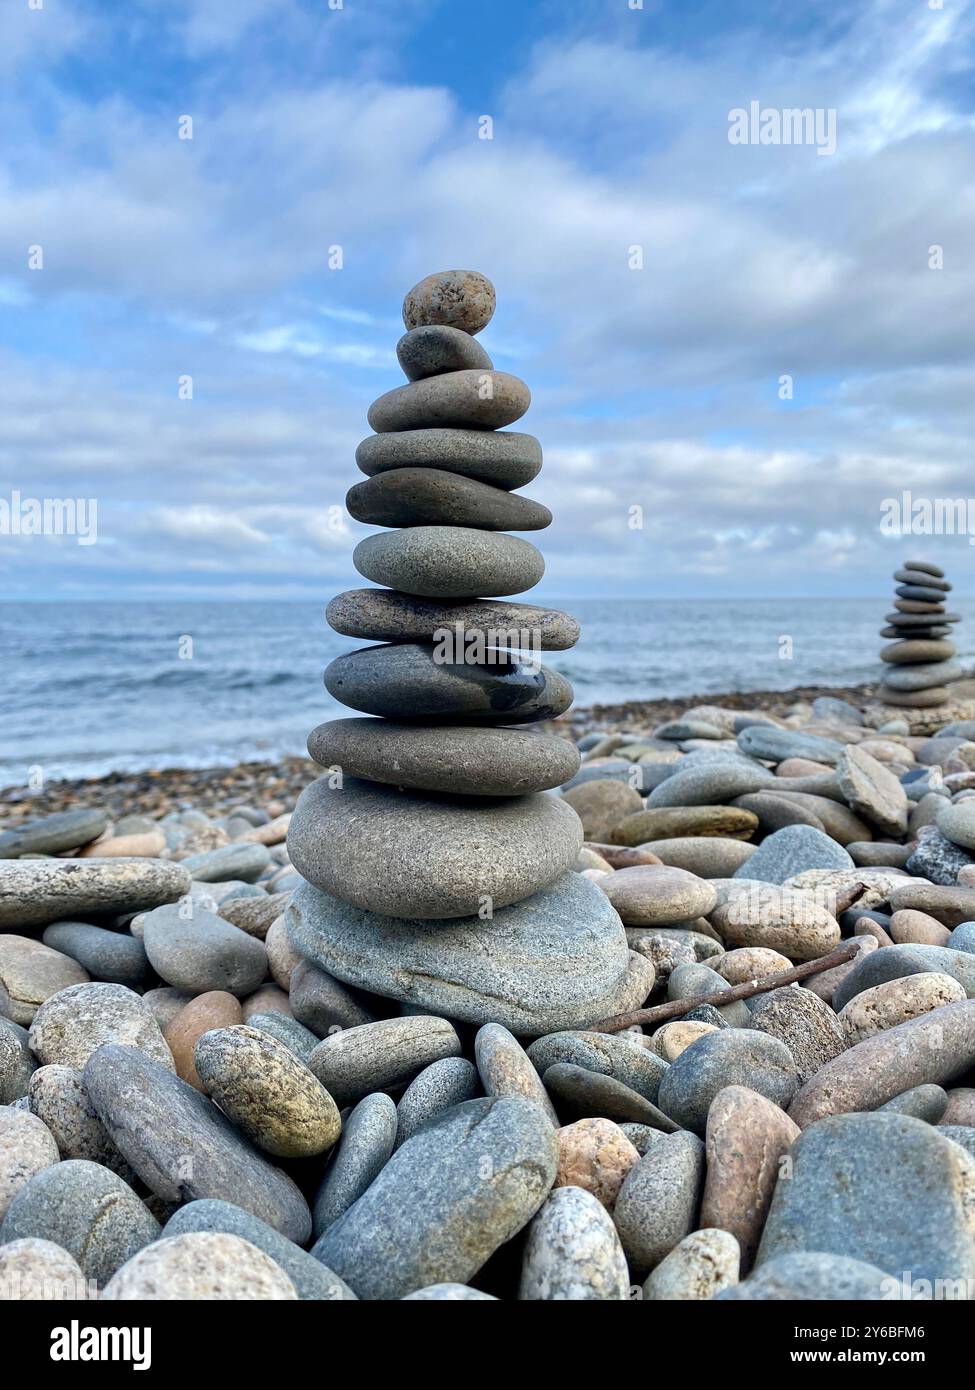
{"points": [[461, 299]]}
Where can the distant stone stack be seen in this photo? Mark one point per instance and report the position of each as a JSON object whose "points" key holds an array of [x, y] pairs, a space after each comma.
{"points": [[920, 664], [439, 872]]}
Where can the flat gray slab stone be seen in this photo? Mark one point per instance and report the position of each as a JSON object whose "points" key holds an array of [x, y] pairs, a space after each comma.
{"points": [[504, 458], [384, 615], [434, 497], [34, 892], [449, 562]]}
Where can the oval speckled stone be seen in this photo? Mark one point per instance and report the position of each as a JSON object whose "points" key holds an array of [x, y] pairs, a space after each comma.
{"points": [[26, 1147], [72, 1024], [436, 348], [469, 761], [442, 1084], [728, 1057], [596, 1155], [503, 458], [408, 682], [436, 497], [429, 856], [572, 1252], [87, 1210], [896, 1001], [555, 960], [460, 1188], [267, 1092], [382, 615], [506, 1069], [795, 924], [200, 1265], [376, 1056], [659, 1200], [704, 1263], [462, 299], [477, 398], [36, 1271], [453, 562], [203, 952], [31, 972], [57, 1096], [367, 1142], [34, 892], [647, 895]]}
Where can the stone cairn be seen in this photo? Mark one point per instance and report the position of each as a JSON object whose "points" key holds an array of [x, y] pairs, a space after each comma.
{"points": [[439, 871], [920, 665]]}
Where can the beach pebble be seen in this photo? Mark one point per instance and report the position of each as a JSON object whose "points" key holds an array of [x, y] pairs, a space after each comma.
{"points": [[438, 1087], [659, 1200], [242, 862], [917, 928], [704, 1263], [815, 1278], [936, 858], [923, 1102], [950, 906], [729, 1057], [673, 1038], [448, 1293], [583, 1093], [146, 844], [956, 821], [17, 1062], [705, 856], [572, 1252], [935, 1048], [673, 822], [255, 915], [320, 1002], [689, 981], [355, 1061], [606, 1054], [57, 1096], [200, 1266], [832, 1203], [215, 1009], [34, 892], [115, 957], [367, 1142], [746, 1137], [73, 1023], [203, 952], [602, 805], [180, 1144], [886, 1005], [751, 963], [312, 1280], [267, 1092], [33, 1270], [301, 1040], [31, 972], [647, 896], [502, 458], [455, 1192], [791, 922], [462, 299], [596, 1155], [804, 1022], [898, 962], [268, 999], [54, 834], [26, 1147], [282, 958], [505, 1068], [435, 348], [86, 1209], [792, 850], [872, 791]]}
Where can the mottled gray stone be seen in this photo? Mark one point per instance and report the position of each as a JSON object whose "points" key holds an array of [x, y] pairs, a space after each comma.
{"points": [[34, 892], [240, 862], [201, 1265], [449, 562], [688, 981], [503, 458], [607, 1054], [26, 1147], [203, 952], [774, 745], [436, 497], [813, 1278], [659, 1200], [87, 1210], [17, 1062], [572, 1252], [180, 1144], [311, 1278], [437, 348], [382, 615], [804, 1022], [918, 1218], [937, 858], [355, 1061], [506, 1069], [473, 398], [321, 1003], [712, 783], [923, 1102], [289, 1031], [69, 1027], [57, 1096], [442, 1084], [461, 1187], [584, 1094], [53, 834], [39, 1271], [895, 962], [367, 1143], [704, 1263], [406, 681], [115, 957], [555, 960], [729, 1057], [426, 854], [791, 851]]}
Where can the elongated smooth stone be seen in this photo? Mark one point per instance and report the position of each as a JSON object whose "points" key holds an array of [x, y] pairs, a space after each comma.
{"points": [[922, 632], [504, 458], [923, 675], [926, 567], [922, 577], [476, 399], [465, 761], [909, 652], [919, 593], [405, 681], [419, 854], [916, 699], [383, 615], [436, 497], [910, 620], [437, 348], [449, 562]]}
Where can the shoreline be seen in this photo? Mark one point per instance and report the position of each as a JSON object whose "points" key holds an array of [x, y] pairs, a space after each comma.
{"points": [[158, 790]]}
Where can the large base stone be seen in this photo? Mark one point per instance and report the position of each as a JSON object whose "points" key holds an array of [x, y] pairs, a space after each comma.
{"points": [[554, 961]]}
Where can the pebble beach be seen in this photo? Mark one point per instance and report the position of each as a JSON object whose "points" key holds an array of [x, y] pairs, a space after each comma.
{"points": [[492, 998]]}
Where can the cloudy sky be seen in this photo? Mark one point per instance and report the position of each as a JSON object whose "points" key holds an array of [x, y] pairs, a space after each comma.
{"points": [[359, 127]]}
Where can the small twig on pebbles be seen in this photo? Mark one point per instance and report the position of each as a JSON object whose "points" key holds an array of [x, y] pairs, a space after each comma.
{"points": [[676, 1007]]}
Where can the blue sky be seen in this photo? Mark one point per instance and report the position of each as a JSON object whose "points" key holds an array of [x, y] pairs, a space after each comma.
{"points": [[207, 258]]}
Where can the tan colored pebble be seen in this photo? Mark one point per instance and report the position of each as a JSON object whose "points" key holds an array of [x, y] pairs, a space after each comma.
{"points": [[31, 972], [200, 1265], [897, 1001], [672, 1039], [34, 1270], [269, 999], [596, 1155], [751, 963], [704, 1263], [281, 954], [274, 833], [216, 1009], [909, 925], [866, 926], [148, 845]]}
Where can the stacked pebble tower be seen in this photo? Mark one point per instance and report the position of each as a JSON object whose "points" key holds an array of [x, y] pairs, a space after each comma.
{"points": [[920, 665], [439, 871]]}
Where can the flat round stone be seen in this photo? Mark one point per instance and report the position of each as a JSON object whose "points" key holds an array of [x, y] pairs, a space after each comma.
{"points": [[920, 593], [477, 399], [572, 1252], [553, 961], [464, 299], [910, 651], [30, 972], [435, 497], [355, 1062], [406, 682], [922, 676], [925, 567], [383, 615], [449, 562], [203, 952], [464, 761], [909, 575], [34, 892], [929, 614], [428, 855], [437, 348], [504, 458], [51, 834], [200, 1266]]}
